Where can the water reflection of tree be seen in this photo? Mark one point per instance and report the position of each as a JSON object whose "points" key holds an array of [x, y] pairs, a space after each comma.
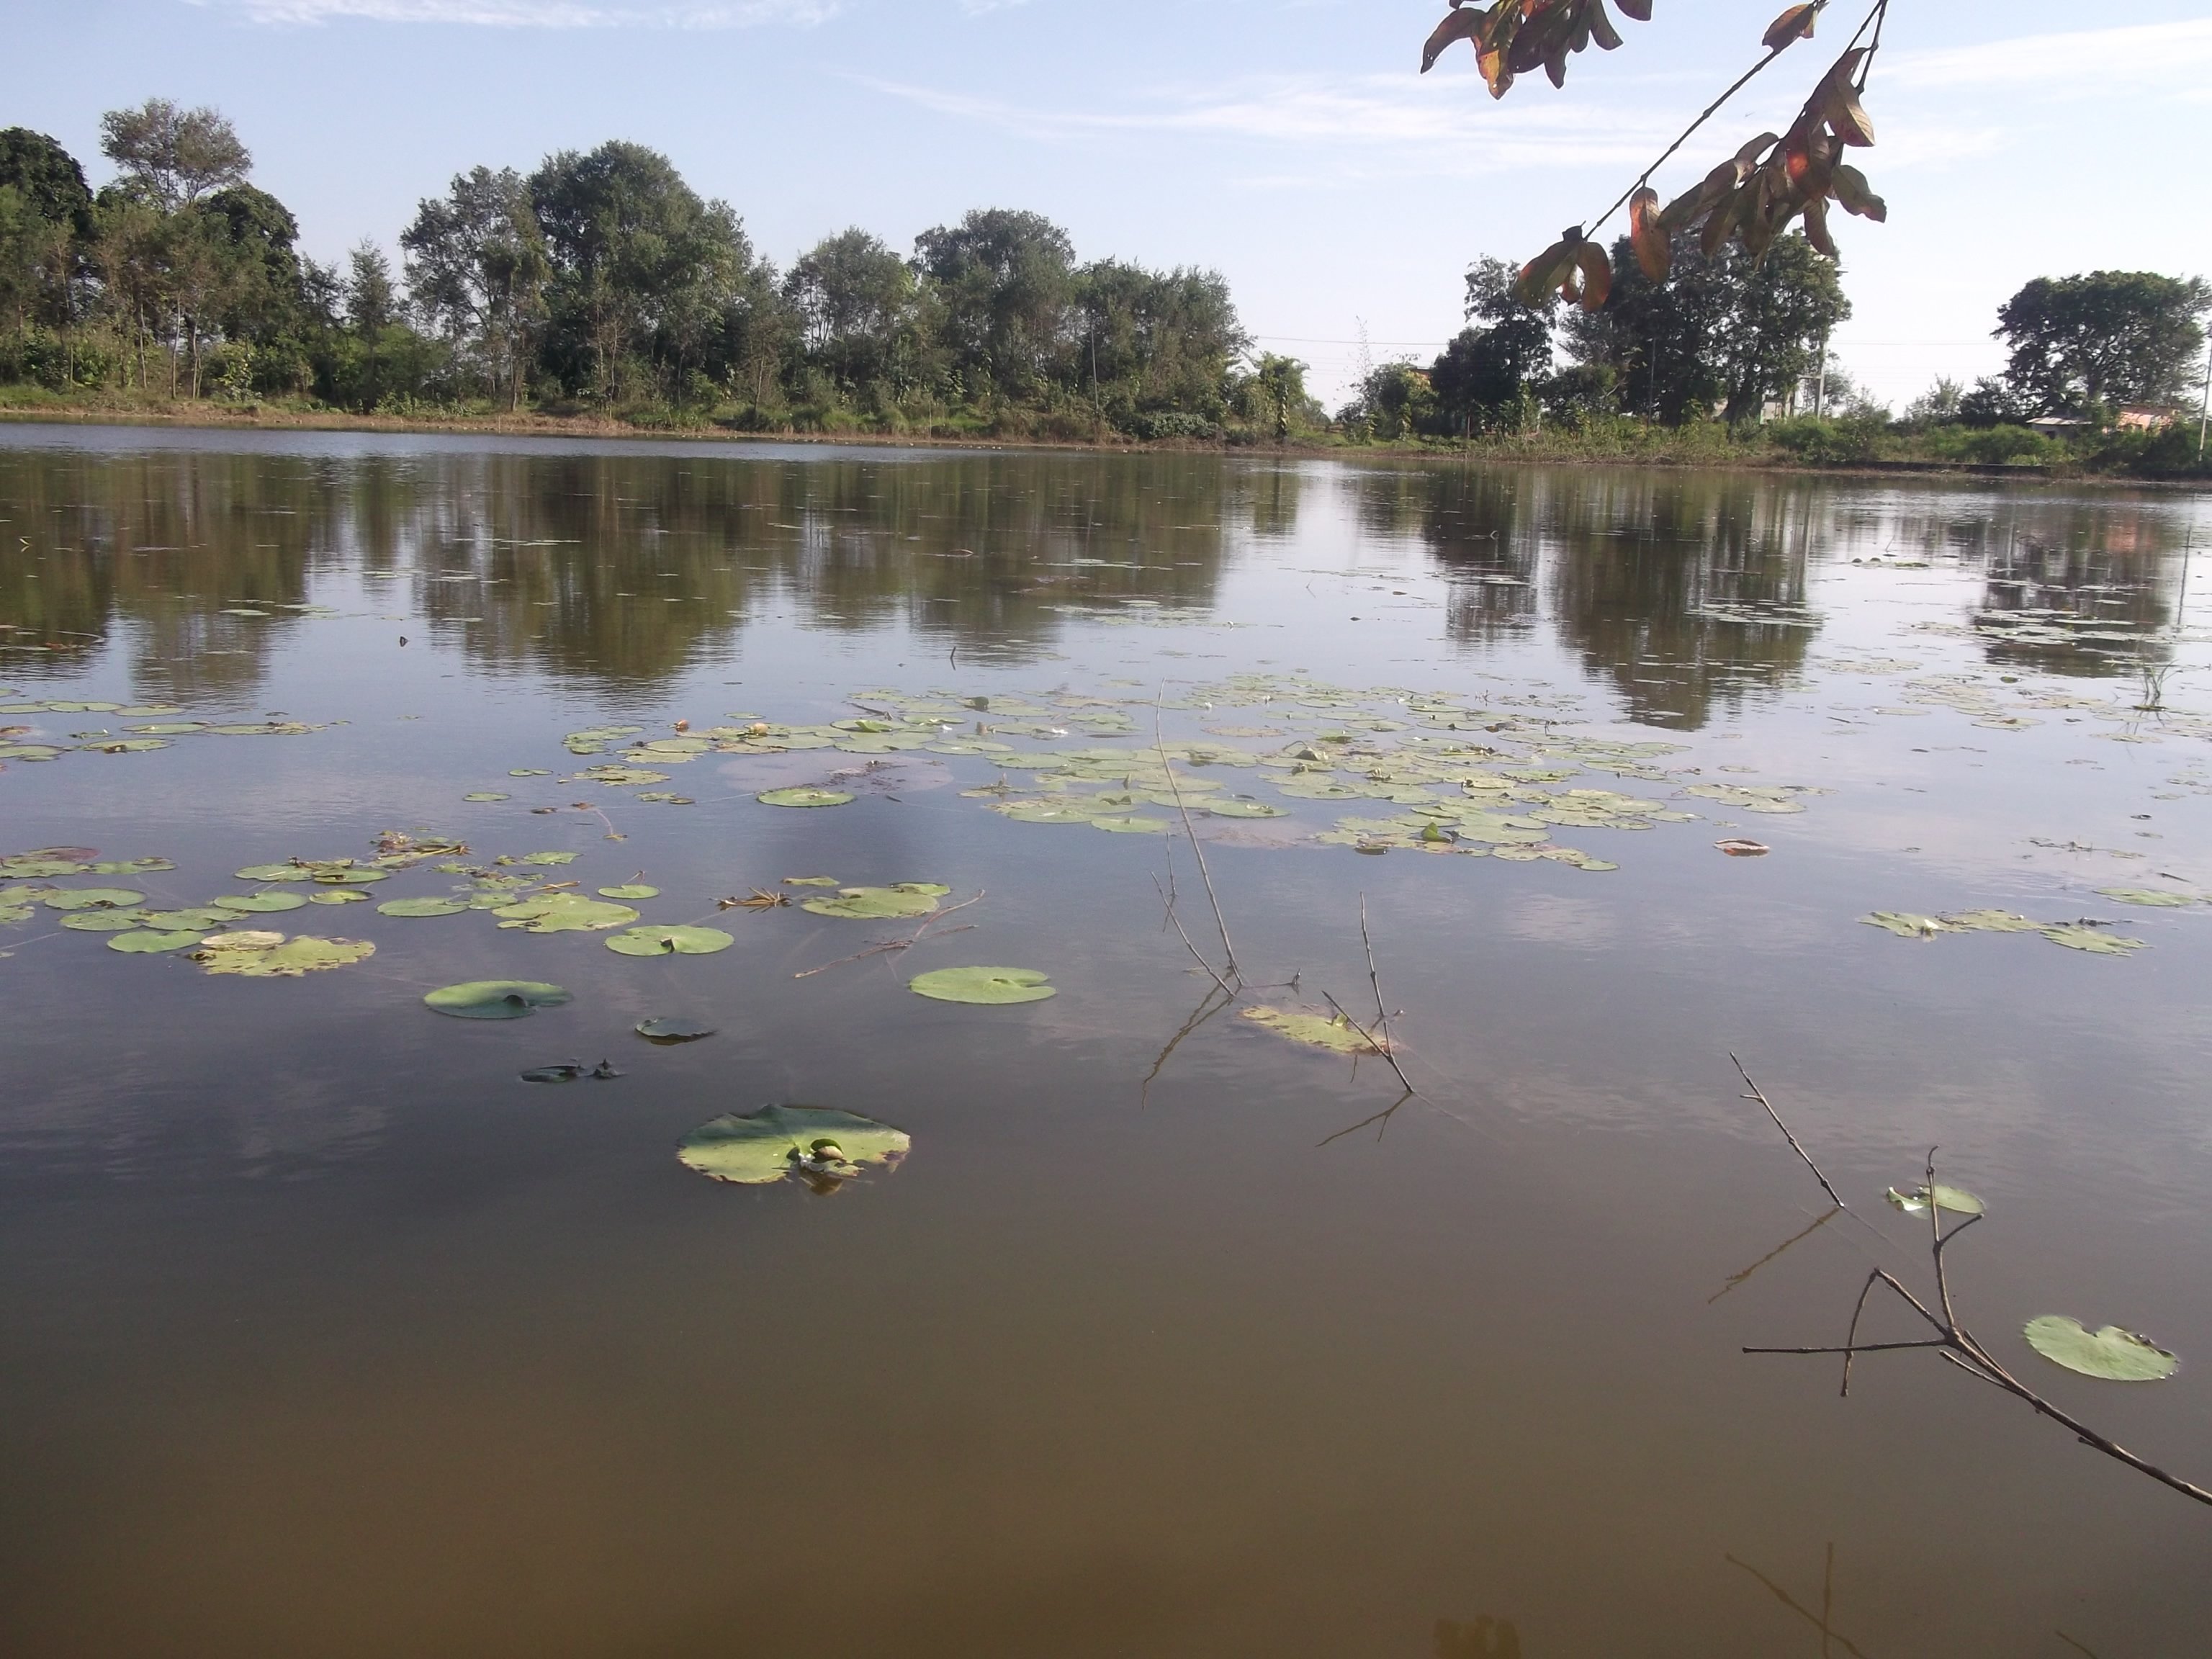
{"points": [[620, 568], [2082, 567]]}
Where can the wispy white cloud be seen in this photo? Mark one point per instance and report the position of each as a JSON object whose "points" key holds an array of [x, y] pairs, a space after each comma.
{"points": [[1375, 112], [537, 14], [2090, 62]]}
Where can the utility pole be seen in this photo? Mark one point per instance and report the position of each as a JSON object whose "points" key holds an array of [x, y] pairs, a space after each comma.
{"points": [[2203, 406]]}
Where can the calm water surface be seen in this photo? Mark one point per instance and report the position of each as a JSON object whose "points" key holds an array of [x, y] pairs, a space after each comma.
{"points": [[322, 1333]]}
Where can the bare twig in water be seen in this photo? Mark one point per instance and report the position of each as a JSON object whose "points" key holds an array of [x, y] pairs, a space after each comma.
{"points": [[1822, 1623], [1959, 1347], [1213, 1003], [1734, 1279], [893, 947], [1197, 852], [1377, 1040], [1382, 1119], [1759, 1094], [1167, 898]]}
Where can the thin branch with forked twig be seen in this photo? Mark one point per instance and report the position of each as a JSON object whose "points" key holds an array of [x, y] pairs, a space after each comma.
{"points": [[892, 946]]}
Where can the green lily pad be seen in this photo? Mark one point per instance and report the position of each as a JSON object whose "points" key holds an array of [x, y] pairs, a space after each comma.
{"points": [[906, 898], [548, 858], [127, 745], [495, 999], [775, 1142], [1991, 921], [671, 941], [1955, 1199], [288, 959], [486, 794], [104, 922], [2146, 896], [810, 881], [529, 772], [274, 872], [1904, 924], [565, 913], [673, 1028], [148, 941], [1331, 1030], [802, 798], [421, 907], [2074, 936], [617, 776], [94, 898], [1043, 812], [633, 890], [982, 985], [1244, 809], [339, 876], [1132, 824], [2110, 1354], [201, 917], [260, 903], [337, 896]]}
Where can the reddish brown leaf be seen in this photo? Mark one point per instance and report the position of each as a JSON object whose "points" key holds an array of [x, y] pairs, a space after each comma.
{"points": [[1847, 116], [1458, 25], [1857, 196], [1794, 25], [1597, 273], [1816, 226], [1647, 233], [1639, 9]]}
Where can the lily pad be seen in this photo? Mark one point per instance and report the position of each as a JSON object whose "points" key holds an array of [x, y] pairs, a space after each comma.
{"points": [[260, 903], [631, 890], [287, 960], [200, 918], [342, 877], [760, 1147], [982, 985], [337, 896], [1737, 848], [565, 913], [1991, 922], [2110, 1354], [104, 922], [486, 794], [906, 898], [671, 941], [2147, 896], [495, 999], [810, 881], [548, 858], [94, 898], [147, 941], [673, 1028], [421, 907], [275, 872], [1132, 824], [1956, 1200], [1330, 1031], [1244, 809], [802, 798], [2072, 936], [1904, 924]]}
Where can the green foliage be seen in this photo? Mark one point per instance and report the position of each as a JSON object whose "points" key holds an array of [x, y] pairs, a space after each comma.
{"points": [[2111, 338]]}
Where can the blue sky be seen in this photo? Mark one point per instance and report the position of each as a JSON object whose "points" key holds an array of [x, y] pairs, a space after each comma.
{"points": [[1289, 145]]}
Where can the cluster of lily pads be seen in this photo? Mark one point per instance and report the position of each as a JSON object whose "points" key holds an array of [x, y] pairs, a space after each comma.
{"points": [[1468, 779], [153, 730], [2084, 934], [2110, 1354]]}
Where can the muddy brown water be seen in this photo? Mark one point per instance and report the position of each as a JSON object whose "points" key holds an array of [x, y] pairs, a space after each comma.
{"points": [[321, 1333]]}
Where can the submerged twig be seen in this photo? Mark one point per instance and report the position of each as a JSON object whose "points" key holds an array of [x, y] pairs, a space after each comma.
{"points": [[1734, 1279], [1197, 852], [1167, 897], [892, 946], [1759, 1094], [1208, 1008], [1961, 1348]]}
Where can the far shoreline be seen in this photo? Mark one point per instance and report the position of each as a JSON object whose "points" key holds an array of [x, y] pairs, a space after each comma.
{"points": [[1532, 450]]}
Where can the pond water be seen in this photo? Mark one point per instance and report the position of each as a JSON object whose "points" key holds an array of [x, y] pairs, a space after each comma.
{"points": [[322, 1332]]}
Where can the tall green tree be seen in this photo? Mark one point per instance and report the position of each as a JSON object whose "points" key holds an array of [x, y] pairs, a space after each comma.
{"points": [[1005, 278], [45, 234], [1481, 376], [1734, 330], [860, 309], [2106, 338], [476, 267], [644, 273], [1149, 341], [174, 155]]}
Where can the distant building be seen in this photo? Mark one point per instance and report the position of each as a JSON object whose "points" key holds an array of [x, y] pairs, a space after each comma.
{"points": [[2146, 417]]}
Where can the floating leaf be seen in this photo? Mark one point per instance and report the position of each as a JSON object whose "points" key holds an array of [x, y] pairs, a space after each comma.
{"points": [[495, 999], [2146, 896], [1736, 848], [1904, 924], [802, 798], [982, 985], [148, 941], [1132, 825], [94, 898], [810, 881], [776, 1141], [671, 941], [1331, 1030], [547, 858], [633, 890], [1991, 921], [906, 898], [566, 1073], [337, 896], [275, 872], [565, 913], [529, 772], [289, 958], [2075, 937], [421, 907], [1242, 809], [1956, 1200], [672, 1029], [2112, 1354], [487, 794], [259, 903], [104, 922], [201, 918]]}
